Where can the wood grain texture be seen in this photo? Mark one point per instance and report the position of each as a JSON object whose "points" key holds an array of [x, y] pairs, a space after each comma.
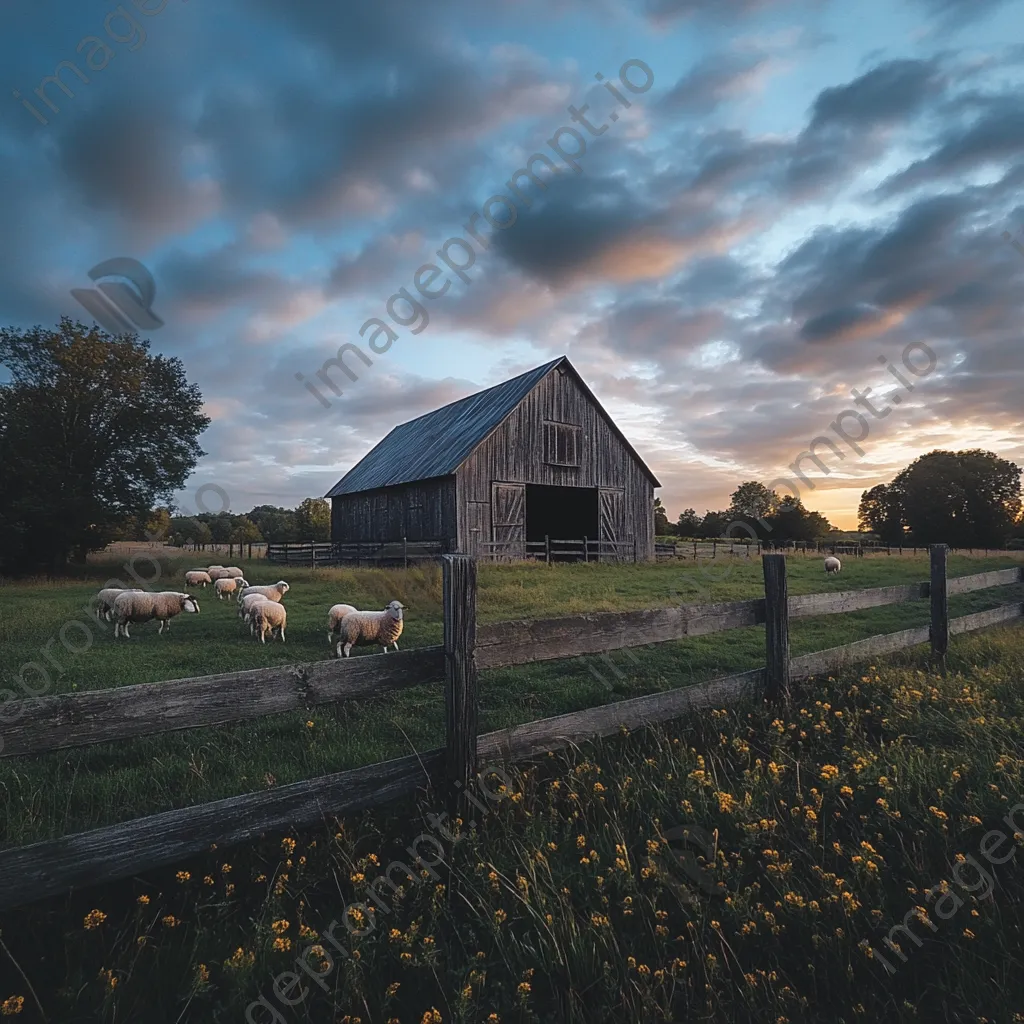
{"points": [[776, 627], [44, 869], [822, 662], [939, 602], [460, 692], [565, 730], [101, 716], [517, 643], [804, 605], [984, 580], [991, 617]]}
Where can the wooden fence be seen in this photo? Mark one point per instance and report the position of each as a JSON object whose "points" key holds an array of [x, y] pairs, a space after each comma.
{"points": [[66, 720], [551, 549], [371, 553]]}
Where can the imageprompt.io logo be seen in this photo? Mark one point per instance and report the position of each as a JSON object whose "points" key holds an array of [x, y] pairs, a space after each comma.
{"points": [[116, 307]]}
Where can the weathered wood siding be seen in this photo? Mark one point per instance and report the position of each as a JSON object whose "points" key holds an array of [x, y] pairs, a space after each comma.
{"points": [[514, 453], [424, 510]]}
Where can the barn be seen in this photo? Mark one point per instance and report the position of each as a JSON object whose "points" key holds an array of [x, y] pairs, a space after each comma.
{"points": [[518, 470]]}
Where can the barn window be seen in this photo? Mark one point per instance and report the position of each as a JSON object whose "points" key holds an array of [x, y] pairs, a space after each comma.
{"points": [[561, 444]]}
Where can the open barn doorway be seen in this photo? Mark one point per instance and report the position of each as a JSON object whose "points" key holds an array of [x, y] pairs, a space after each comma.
{"points": [[561, 513]]}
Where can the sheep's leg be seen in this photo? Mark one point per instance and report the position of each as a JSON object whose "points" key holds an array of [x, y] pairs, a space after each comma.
{"points": [[282, 634], [395, 645], [348, 648]]}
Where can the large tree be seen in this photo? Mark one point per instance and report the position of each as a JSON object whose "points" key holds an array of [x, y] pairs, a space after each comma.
{"points": [[881, 512], [93, 431], [965, 499], [314, 519]]}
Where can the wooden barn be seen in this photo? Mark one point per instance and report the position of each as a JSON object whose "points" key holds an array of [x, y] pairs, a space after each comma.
{"points": [[533, 467]]}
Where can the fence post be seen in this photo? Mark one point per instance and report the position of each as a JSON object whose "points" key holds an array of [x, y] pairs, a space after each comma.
{"points": [[776, 627], [636, 553], [460, 683], [714, 549], [586, 553], [547, 549], [405, 552], [312, 554], [940, 604]]}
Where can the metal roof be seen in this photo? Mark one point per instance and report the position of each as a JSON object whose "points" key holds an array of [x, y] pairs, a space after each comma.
{"points": [[437, 443]]}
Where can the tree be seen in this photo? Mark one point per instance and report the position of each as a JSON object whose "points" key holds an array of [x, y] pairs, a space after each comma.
{"points": [[93, 431], [187, 530], [713, 525], [314, 519], [881, 511], [278, 525], [245, 531], [660, 519], [791, 521], [965, 499], [688, 523], [752, 500]]}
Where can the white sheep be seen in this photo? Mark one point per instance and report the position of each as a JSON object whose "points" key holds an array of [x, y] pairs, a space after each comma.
{"points": [[234, 571], [197, 578], [269, 617], [218, 572], [227, 585], [141, 606], [274, 592], [334, 616], [245, 609], [210, 568], [382, 628], [103, 602], [832, 565]]}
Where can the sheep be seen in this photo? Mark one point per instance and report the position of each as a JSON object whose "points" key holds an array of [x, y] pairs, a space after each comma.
{"points": [[210, 568], [227, 585], [334, 616], [382, 628], [268, 617], [832, 565], [103, 602], [274, 592], [197, 578], [234, 571], [218, 572], [140, 606], [245, 609]]}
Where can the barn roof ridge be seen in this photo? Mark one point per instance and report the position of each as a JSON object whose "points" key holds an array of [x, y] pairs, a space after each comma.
{"points": [[437, 443]]}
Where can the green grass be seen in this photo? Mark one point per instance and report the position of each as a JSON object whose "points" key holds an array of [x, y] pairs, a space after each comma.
{"points": [[830, 821], [56, 794]]}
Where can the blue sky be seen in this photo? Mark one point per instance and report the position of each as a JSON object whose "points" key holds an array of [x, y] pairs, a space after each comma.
{"points": [[806, 185]]}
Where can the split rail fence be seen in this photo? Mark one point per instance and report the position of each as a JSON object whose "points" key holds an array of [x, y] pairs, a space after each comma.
{"points": [[58, 722]]}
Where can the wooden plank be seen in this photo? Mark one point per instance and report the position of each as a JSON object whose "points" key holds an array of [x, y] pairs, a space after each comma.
{"points": [[565, 730], [991, 617], [517, 643], [776, 628], [102, 716], [983, 580], [460, 691], [822, 662], [939, 602], [803, 605], [50, 868]]}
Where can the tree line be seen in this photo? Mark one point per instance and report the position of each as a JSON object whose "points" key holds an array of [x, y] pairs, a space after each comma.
{"points": [[310, 521]]}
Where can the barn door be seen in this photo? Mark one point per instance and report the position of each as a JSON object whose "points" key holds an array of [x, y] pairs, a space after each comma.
{"points": [[611, 503], [508, 516]]}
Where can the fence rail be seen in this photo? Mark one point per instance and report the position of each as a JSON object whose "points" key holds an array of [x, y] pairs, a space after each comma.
{"points": [[555, 549], [80, 719], [374, 553]]}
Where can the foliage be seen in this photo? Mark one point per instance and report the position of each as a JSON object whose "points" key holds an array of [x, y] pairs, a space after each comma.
{"points": [[661, 526], [93, 431], [968, 498], [688, 523], [314, 519]]}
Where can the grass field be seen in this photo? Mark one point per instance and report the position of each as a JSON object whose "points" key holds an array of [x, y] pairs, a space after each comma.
{"points": [[883, 790], [64, 792]]}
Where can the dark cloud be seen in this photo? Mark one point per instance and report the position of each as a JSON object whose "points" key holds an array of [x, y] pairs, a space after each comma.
{"points": [[715, 81]]}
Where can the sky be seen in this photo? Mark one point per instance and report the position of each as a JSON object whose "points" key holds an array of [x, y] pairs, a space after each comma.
{"points": [[789, 194]]}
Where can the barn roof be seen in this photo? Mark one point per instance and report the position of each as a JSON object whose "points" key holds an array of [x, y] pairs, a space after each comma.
{"points": [[437, 443]]}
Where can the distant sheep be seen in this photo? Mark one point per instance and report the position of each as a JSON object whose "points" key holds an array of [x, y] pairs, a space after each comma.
{"points": [[832, 565], [218, 572], [103, 602], [334, 616], [197, 578], [140, 606], [269, 617], [274, 592], [234, 571], [382, 628], [228, 585]]}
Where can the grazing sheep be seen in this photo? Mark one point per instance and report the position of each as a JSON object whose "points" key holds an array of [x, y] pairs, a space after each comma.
{"points": [[832, 565], [140, 606], [227, 585], [269, 617], [334, 616], [274, 592], [245, 609], [197, 578], [234, 571], [218, 572], [103, 602], [382, 628], [210, 568]]}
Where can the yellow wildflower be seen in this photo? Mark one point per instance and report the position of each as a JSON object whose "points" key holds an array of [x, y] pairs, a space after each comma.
{"points": [[94, 919]]}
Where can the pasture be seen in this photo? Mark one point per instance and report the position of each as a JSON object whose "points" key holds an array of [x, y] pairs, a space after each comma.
{"points": [[70, 791], [873, 795]]}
